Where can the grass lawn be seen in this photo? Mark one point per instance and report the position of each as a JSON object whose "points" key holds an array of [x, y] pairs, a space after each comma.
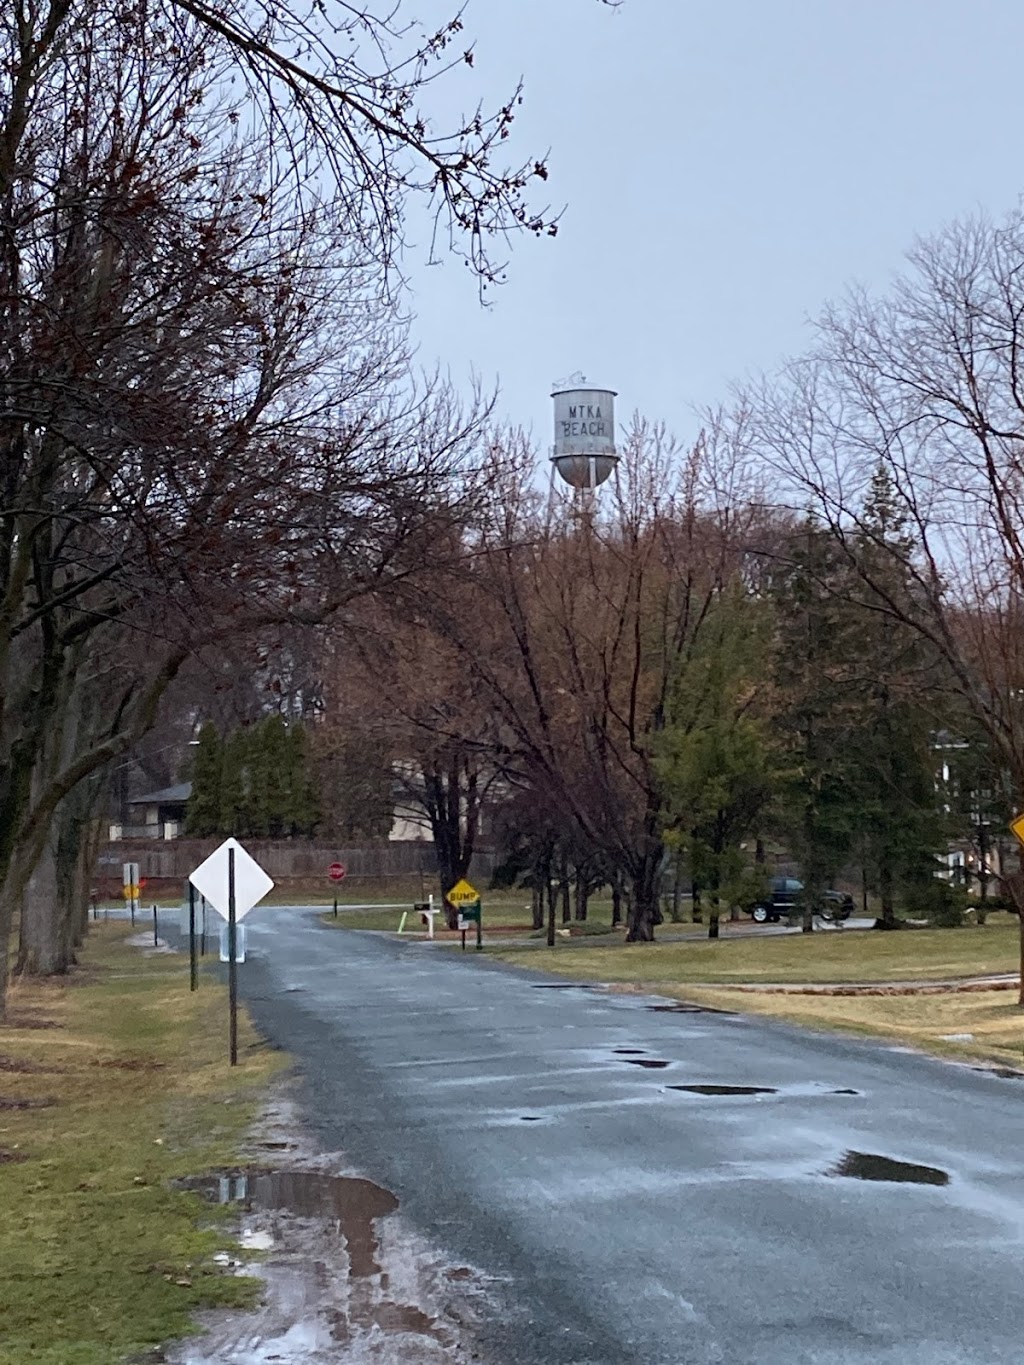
{"points": [[112, 1083], [993, 1018], [501, 911], [827, 956]]}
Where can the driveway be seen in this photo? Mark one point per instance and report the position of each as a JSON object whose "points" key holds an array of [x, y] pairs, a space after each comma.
{"points": [[545, 1134]]}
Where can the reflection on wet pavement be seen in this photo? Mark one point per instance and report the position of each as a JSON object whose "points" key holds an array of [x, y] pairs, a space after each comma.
{"points": [[870, 1166], [645, 1062]]}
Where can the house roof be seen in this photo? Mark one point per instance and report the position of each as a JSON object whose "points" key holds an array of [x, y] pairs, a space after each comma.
{"points": [[166, 796]]}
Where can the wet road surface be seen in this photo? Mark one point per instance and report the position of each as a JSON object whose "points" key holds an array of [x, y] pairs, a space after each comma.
{"points": [[657, 1187]]}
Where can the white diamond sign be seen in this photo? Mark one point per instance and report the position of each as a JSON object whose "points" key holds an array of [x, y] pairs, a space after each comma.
{"points": [[210, 879]]}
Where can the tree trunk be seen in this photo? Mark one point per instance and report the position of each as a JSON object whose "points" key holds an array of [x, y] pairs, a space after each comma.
{"points": [[616, 901], [8, 907], [582, 896], [885, 891], [552, 899], [39, 951], [716, 904], [564, 890], [537, 906], [697, 909], [677, 893], [644, 912]]}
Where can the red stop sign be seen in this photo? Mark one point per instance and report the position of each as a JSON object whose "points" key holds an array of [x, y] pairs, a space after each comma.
{"points": [[336, 872]]}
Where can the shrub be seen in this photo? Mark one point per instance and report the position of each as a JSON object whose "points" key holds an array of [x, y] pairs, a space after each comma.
{"points": [[938, 901]]}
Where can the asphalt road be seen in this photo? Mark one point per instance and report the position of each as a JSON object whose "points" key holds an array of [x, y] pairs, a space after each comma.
{"points": [[625, 1222]]}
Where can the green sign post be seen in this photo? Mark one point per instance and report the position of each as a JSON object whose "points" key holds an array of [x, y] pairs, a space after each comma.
{"points": [[466, 900], [467, 915]]}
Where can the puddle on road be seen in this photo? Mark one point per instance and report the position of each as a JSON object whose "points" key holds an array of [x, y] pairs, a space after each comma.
{"points": [[871, 1166], [350, 1202], [530, 1118], [725, 1089], [560, 986], [629, 1052], [683, 1007], [646, 1062]]}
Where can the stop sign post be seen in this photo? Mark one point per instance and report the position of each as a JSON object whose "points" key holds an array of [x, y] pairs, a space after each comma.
{"points": [[336, 872]]}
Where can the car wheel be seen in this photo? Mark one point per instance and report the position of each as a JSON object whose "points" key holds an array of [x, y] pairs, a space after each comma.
{"points": [[759, 914]]}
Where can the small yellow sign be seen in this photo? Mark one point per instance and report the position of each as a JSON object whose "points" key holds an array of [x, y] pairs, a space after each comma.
{"points": [[463, 894], [131, 893], [1018, 827]]}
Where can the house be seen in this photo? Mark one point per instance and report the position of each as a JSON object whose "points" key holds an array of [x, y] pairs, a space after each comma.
{"points": [[155, 815]]}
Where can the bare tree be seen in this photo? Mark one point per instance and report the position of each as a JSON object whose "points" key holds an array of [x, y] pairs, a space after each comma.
{"points": [[339, 98], [925, 385], [206, 423], [576, 624]]}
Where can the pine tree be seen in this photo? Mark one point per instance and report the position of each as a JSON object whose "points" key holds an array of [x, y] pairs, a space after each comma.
{"points": [[271, 777], [234, 814], [716, 767], [902, 827], [818, 720], [203, 813], [302, 805]]}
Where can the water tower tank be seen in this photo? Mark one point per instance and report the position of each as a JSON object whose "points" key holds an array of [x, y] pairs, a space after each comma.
{"points": [[584, 449]]}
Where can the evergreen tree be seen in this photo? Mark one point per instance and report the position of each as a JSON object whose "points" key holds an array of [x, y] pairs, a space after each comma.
{"points": [[203, 812], [234, 812], [271, 778], [818, 720], [857, 713], [300, 803], [900, 820], [716, 765]]}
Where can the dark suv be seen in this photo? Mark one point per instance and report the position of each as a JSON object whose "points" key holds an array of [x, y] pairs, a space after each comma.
{"points": [[784, 898]]}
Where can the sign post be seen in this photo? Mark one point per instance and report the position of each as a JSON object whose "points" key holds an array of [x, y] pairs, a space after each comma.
{"points": [[132, 885], [336, 872], [193, 964], [232, 964], [232, 881], [466, 900], [1017, 828]]}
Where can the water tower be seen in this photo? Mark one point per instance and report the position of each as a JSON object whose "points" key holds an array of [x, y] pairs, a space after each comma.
{"points": [[584, 449]]}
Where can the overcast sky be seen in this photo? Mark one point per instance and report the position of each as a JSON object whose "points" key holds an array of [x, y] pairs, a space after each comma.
{"points": [[726, 167]]}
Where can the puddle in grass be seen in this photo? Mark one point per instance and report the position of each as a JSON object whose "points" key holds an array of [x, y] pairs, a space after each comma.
{"points": [[343, 1281], [871, 1166]]}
